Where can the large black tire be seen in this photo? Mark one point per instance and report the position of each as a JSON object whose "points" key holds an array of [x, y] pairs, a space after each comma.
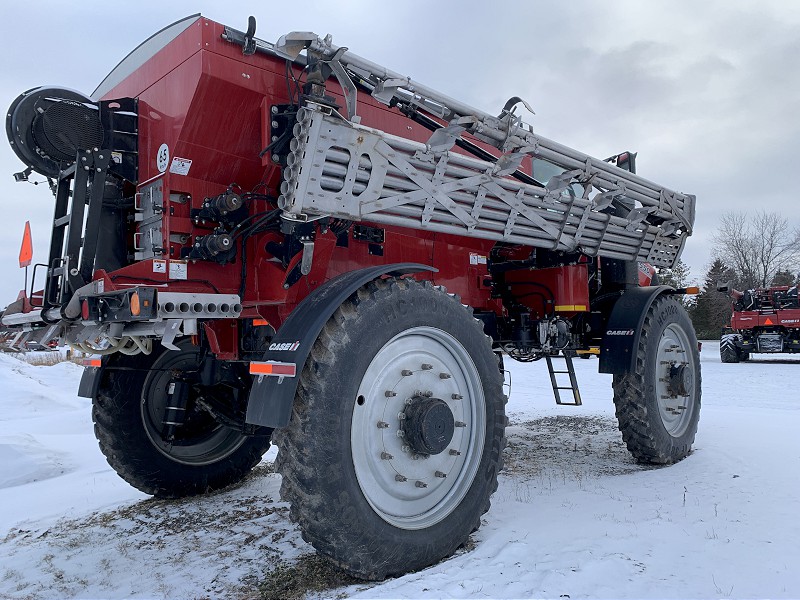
{"points": [[728, 351], [128, 413], [356, 489], [658, 403]]}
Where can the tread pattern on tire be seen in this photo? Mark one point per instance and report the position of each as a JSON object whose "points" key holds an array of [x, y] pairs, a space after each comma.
{"points": [[299, 464], [728, 352], [127, 449], [638, 421]]}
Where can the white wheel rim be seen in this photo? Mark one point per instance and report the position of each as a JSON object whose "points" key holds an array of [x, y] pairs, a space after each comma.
{"points": [[409, 492], [674, 351]]}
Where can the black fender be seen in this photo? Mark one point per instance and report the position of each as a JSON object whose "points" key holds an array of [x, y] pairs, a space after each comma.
{"points": [[624, 328], [271, 398]]}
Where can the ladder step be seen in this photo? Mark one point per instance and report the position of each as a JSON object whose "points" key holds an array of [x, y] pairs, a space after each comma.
{"points": [[573, 387], [61, 221]]}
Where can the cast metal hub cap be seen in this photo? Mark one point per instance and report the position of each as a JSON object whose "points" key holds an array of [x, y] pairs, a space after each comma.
{"points": [[418, 428], [675, 385], [428, 425]]}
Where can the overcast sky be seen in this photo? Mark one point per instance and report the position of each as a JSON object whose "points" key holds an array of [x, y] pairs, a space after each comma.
{"points": [[708, 93]]}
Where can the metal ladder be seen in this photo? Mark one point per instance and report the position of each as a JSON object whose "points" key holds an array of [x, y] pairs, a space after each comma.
{"points": [[573, 381], [73, 244]]}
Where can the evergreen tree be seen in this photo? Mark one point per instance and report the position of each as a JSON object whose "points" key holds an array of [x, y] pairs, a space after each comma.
{"points": [[784, 277], [678, 277], [712, 309]]}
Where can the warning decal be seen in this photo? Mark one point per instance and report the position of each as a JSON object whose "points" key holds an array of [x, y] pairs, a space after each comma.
{"points": [[180, 166]]}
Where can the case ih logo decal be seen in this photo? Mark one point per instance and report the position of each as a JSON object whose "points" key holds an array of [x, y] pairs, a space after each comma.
{"points": [[285, 347], [619, 332]]}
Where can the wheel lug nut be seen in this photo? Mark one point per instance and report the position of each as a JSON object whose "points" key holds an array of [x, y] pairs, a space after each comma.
{"points": [[440, 474], [400, 478], [401, 433], [406, 448], [382, 425], [426, 367], [460, 424], [386, 456], [444, 376], [406, 372], [457, 397], [390, 394], [421, 484], [427, 393], [454, 452], [401, 416]]}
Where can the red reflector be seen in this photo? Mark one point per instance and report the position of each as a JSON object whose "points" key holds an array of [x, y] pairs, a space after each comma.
{"points": [[260, 322], [277, 369], [92, 362], [85, 310]]}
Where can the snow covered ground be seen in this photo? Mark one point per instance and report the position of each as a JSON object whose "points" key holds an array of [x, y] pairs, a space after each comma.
{"points": [[574, 516]]}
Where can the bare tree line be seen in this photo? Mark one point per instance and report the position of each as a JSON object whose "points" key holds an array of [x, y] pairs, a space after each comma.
{"points": [[759, 248]]}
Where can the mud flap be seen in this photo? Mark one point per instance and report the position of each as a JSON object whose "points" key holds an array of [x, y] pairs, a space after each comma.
{"points": [[617, 350], [271, 397]]}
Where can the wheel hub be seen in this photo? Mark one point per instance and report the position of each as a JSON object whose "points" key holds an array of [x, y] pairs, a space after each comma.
{"points": [[428, 425], [681, 380]]}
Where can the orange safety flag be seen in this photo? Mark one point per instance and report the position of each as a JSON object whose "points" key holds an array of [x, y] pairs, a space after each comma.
{"points": [[26, 251]]}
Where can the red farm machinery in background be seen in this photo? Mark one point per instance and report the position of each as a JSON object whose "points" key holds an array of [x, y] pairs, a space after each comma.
{"points": [[288, 243], [764, 320]]}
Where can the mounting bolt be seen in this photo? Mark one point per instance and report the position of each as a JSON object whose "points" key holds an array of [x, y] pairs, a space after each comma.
{"points": [[390, 394], [420, 484], [400, 433], [444, 376], [400, 478], [274, 110], [426, 367], [386, 456], [454, 452], [401, 416], [415, 457], [460, 424], [406, 448], [427, 393], [382, 425], [457, 397], [440, 474], [406, 372]]}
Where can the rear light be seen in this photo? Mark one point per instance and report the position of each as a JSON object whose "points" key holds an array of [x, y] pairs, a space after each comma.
{"points": [[85, 310], [693, 290], [92, 362], [136, 307]]}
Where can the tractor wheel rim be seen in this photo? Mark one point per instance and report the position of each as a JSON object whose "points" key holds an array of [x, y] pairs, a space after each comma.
{"points": [[674, 362], [202, 441], [408, 489]]}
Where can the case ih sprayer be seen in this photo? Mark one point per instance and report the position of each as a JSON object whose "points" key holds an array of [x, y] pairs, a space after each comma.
{"points": [[287, 243], [764, 320]]}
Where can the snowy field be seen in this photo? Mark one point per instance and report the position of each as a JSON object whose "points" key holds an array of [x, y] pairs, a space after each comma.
{"points": [[574, 516]]}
